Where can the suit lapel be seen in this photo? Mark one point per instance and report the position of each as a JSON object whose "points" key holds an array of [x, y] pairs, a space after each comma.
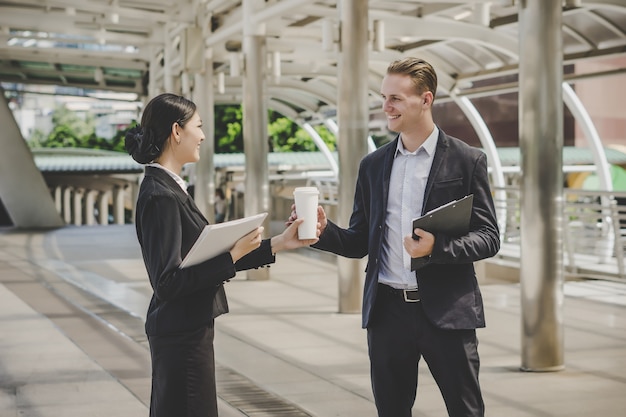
{"points": [[439, 158], [388, 162], [185, 198]]}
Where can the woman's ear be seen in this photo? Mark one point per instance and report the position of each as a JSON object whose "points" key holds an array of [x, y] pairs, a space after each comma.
{"points": [[175, 134]]}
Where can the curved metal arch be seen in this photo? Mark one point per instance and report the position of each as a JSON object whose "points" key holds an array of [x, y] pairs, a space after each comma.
{"points": [[437, 28], [581, 115]]}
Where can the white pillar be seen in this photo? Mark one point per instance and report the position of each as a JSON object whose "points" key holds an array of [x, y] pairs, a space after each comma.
{"points": [[78, 206], [541, 204], [103, 207], [67, 205], [205, 170], [58, 198], [90, 202], [118, 205], [353, 120], [256, 193]]}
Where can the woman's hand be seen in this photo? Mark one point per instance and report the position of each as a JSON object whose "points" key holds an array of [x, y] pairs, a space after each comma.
{"points": [[288, 239], [247, 244]]}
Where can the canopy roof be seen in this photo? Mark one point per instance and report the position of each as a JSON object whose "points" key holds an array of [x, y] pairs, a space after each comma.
{"points": [[122, 45]]}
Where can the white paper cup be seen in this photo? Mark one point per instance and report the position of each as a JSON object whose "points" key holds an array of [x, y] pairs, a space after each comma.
{"points": [[306, 199]]}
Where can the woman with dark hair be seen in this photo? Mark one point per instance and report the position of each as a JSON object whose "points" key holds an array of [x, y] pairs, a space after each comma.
{"points": [[185, 301]]}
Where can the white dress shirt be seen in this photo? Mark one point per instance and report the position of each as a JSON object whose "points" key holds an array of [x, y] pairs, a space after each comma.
{"points": [[407, 185]]}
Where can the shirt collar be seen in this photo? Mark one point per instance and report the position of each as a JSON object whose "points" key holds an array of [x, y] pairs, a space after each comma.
{"points": [[429, 145], [175, 176]]}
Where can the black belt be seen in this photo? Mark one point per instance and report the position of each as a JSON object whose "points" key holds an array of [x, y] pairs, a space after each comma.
{"points": [[410, 296]]}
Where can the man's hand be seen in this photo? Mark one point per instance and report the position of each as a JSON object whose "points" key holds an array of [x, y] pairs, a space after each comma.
{"points": [[420, 247], [322, 220]]}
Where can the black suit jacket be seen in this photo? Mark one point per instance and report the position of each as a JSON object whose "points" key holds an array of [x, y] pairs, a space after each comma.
{"points": [[448, 287], [168, 223]]}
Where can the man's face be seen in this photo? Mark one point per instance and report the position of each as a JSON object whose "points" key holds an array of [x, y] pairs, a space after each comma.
{"points": [[404, 108]]}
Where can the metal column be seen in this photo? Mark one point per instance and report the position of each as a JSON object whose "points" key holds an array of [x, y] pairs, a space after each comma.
{"points": [[541, 141], [204, 190], [353, 120], [255, 144]]}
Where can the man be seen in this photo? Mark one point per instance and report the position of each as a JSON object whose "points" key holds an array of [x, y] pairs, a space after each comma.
{"points": [[432, 312]]}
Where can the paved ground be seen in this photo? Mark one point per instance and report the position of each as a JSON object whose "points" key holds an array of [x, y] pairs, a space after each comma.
{"points": [[71, 339]]}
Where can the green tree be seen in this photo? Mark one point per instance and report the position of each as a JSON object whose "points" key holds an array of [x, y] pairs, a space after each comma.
{"points": [[62, 136], [228, 129], [37, 138], [283, 134], [117, 143], [82, 127], [286, 136]]}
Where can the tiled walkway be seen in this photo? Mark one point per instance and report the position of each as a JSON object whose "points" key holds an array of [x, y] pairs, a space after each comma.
{"points": [[71, 339]]}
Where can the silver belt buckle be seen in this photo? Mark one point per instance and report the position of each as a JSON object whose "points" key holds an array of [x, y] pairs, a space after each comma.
{"points": [[406, 297]]}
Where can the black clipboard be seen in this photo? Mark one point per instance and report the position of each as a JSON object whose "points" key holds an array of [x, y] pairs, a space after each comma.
{"points": [[452, 219]]}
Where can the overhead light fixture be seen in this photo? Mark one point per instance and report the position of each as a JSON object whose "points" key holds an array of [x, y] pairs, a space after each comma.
{"points": [[235, 69], [98, 75], [328, 35], [482, 14], [379, 35], [102, 36], [276, 66], [221, 83], [115, 16], [462, 15]]}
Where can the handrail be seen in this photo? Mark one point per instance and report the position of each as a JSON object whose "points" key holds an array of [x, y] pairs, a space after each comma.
{"points": [[593, 237]]}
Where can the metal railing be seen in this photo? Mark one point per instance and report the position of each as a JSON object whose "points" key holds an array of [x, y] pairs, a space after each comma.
{"points": [[594, 231], [594, 228]]}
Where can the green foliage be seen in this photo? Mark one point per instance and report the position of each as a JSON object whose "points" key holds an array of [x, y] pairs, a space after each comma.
{"points": [[80, 127], [228, 129], [117, 143], [283, 134]]}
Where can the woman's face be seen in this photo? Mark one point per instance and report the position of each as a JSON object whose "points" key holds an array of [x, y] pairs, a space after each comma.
{"points": [[191, 136]]}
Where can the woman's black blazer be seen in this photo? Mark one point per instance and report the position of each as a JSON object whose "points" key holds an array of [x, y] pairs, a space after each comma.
{"points": [[168, 222]]}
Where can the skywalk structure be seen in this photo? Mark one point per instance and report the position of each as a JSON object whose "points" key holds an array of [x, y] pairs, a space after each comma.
{"points": [[322, 62]]}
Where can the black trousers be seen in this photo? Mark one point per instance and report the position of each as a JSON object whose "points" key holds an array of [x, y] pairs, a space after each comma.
{"points": [[183, 375], [399, 336]]}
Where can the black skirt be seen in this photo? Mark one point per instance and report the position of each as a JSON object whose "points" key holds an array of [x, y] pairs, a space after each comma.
{"points": [[183, 374]]}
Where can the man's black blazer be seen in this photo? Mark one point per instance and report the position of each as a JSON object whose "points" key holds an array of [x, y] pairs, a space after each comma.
{"points": [[168, 223], [448, 287]]}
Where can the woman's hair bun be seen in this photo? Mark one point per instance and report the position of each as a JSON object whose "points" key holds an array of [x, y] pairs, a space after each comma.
{"points": [[140, 145]]}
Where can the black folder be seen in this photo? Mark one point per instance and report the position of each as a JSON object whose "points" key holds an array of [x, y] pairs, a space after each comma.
{"points": [[452, 219]]}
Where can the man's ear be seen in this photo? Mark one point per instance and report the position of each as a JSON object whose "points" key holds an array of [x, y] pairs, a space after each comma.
{"points": [[428, 98]]}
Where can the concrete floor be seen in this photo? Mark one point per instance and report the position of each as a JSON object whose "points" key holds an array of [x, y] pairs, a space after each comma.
{"points": [[72, 303]]}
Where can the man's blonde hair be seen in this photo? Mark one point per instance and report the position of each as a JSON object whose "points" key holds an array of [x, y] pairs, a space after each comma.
{"points": [[421, 72]]}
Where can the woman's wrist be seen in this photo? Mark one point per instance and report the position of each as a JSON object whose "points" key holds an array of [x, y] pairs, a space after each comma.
{"points": [[276, 244]]}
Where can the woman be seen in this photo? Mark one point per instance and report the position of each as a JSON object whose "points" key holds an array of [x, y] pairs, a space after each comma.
{"points": [[185, 302]]}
